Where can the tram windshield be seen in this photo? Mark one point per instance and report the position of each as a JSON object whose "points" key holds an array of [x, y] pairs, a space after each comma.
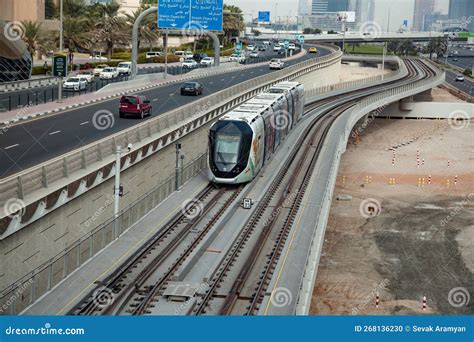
{"points": [[227, 148]]}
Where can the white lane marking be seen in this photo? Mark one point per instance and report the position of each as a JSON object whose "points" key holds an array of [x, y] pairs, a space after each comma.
{"points": [[12, 146], [84, 123], [222, 80], [172, 94], [53, 133], [154, 100]]}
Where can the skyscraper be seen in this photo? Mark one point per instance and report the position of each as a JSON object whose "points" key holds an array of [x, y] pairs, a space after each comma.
{"points": [[462, 9], [422, 9], [364, 11], [324, 6]]}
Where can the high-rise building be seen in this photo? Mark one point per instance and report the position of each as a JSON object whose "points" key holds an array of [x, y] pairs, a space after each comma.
{"points": [[324, 6], [304, 7], [364, 11], [463, 10], [423, 8], [324, 14]]}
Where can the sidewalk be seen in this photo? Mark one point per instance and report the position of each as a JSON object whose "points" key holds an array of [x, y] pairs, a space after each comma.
{"points": [[153, 80]]}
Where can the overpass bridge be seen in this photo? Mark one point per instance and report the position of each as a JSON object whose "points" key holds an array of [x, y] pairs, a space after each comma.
{"points": [[61, 195]]}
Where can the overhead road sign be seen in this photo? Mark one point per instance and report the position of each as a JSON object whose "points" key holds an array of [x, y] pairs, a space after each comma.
{"points": [[264, 17], [199, 15]]}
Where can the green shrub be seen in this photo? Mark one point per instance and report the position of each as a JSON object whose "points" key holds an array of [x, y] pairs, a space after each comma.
{"points": [[467, 72]]}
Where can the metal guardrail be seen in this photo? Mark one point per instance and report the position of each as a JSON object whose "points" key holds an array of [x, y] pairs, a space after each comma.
{"points": [[353, 115], [97, 155], [27, 289], [35, 82]]}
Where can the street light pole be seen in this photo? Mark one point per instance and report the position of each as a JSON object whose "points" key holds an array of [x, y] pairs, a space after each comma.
{"points": [[61, 47], [118, 157], [383, 60]]}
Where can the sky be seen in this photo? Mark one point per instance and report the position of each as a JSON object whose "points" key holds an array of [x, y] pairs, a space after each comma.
{"points": [[399, 9]]}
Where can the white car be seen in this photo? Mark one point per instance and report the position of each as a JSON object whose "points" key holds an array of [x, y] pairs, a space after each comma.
{"points": [[124, 68], [292, 46], [277, 48], [189, 64], [152, 54], [109, 73], [459, 78], [254, 54], [236, 58], [207, 61], [75, 84], [98, 69], [276, 64], [88, 75], [266, 42], [98, 58], [188, 55], [250, 47]]}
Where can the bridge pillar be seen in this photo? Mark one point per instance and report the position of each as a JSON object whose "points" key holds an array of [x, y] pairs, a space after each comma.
{"points": [[406, 104], [425, 96]]}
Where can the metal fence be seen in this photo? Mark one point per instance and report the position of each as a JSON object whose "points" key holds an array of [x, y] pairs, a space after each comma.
{"points": [[98, 154], [25, 291]]}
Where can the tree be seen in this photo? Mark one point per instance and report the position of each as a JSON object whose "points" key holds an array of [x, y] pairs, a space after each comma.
{"points": [[233, 21], [148, 29], [34, 36], [111, 29], [437, 45]]}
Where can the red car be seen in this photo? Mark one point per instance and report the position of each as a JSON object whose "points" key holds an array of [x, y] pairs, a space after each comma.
{"points": [[136, 105]]}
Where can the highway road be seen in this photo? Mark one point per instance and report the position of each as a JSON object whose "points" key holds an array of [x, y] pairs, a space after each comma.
{"points": [[34, 96], [466, 86], [30, 143]]}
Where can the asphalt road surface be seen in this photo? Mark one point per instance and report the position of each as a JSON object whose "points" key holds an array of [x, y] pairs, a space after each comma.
{"points": [[30, 143]]}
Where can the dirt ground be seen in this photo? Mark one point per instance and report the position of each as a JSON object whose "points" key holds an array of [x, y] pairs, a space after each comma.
{"points": [[353, 72], [404, 235]]}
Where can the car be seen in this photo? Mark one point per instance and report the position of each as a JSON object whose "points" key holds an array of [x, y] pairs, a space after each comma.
{"points": [[191, 88], [250, 47], [153, 54], [291, 46], [124, 68], [262, 48], [188, 55], [455, 59], [87, 74], [237, 58], [99, 68], [179, 53], [277, 48], [198, 57], [276, 63], [189, 64], [266, 42], [207, 61], [75, 84], [109, 73], [98, 58], [312, 50], [254, 54], [459, 78], [136, 105]]}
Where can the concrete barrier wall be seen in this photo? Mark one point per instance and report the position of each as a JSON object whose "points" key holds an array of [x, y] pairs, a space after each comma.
{"points": [[431, 110], [29, 249]]}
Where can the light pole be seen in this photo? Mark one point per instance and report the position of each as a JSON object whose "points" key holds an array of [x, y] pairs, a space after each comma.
{"points": [[61, 47], [118, 157], [383, 59]]}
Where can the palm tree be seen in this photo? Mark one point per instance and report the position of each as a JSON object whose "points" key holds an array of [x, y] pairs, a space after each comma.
{"points": [[148, 29], [111, 29], [34, 36], [233, 21]]}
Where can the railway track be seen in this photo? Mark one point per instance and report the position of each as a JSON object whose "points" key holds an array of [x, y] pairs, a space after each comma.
{"points": [[128, 290], [240, 281]]}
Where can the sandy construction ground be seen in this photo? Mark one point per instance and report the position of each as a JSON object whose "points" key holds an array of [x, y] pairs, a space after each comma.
{"points": [[408, 231]]}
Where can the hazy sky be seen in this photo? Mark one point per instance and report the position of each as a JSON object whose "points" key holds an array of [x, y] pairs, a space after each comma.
{"points": [[399, 9]]}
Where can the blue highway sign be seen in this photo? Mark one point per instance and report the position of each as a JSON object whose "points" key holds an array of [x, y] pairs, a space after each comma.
{"points": [[204, 15], [264, 17]]}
